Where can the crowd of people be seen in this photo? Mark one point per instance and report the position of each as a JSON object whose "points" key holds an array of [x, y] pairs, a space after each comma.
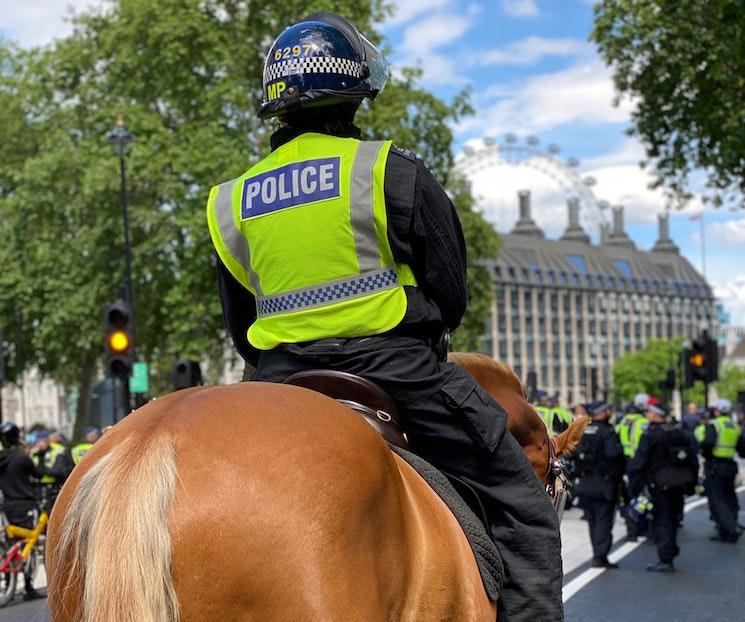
{"points": [[644, 462], [33, 468]]}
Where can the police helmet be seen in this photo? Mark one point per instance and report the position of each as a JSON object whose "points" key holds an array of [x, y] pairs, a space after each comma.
{"points": [[641, 400], [724, 406], [320, 61], [9, 434]]}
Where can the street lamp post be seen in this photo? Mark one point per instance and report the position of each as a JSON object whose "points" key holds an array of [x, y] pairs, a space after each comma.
{"points": [[121, 141]]}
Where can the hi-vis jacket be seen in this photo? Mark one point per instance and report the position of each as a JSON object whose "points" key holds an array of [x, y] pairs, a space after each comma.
{"points": [[305, 231]]}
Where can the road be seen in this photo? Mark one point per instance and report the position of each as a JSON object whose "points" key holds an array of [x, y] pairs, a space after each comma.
{"points": [[709, 583]]}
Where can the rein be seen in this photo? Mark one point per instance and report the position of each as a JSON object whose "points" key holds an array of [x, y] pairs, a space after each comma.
{"points": [[556, 480]]}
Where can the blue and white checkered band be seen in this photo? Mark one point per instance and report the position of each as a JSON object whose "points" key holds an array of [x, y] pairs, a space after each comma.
{"points": [[329, 293], [313, 64]]}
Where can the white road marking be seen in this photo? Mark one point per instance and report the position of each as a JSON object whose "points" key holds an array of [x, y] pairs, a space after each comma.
{"points": [[580, 581]]}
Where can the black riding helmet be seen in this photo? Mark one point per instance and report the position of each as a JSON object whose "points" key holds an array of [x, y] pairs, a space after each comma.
{"points": [[9, 434], [320, 61]]}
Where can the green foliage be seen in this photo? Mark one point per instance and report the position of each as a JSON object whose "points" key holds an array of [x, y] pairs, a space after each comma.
{"points": [[187, 74], [482, 243], [731, 382], [643, 370], [682, 63]]}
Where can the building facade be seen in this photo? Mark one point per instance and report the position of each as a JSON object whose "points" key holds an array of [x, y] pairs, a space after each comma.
{"points": [[36, 401], [564, 310]]}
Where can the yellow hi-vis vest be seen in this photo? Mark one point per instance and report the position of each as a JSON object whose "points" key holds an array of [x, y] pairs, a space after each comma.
{"points": [[50, 457], [305, 231], [727, 435], [630, 431]]}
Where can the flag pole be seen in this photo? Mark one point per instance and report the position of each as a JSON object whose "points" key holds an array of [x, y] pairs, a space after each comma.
{"points": [[703, 247]]}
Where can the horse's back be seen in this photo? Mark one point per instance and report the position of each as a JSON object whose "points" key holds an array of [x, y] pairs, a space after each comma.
{"points": [[286, 506]]}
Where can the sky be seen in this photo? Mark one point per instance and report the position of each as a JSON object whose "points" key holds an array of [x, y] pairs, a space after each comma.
{"points": [[532, 73]]}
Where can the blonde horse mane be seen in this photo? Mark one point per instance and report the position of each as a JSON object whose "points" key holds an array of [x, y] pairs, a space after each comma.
{"points": [[115, 543]]}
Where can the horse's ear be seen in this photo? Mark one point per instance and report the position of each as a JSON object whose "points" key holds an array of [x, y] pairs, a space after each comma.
{"points": [[566, 442]]}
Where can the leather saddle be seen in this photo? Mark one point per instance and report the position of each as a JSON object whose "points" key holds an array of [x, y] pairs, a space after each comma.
{"points": [[377, 408]]}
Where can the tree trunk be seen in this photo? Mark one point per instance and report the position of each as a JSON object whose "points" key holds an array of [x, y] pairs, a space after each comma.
{"points": [[84, 398]]}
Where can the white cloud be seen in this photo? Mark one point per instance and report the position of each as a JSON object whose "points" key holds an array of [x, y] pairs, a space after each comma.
{"points": [[39, 21], [532, 49], [423, 38], [581, 93], [728, 232], [732, 294], [433, 32], [520, 8], [406, 10]]}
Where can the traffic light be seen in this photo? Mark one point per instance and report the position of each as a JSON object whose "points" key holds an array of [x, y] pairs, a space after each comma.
{"points": [[119, 339], [701, 361], [668, 384], [186, 374]]}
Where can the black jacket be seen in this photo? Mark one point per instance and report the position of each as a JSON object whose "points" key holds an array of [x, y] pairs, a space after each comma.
{"points": [[424, 232], [16, 471], [599, 461], [666, 458]]}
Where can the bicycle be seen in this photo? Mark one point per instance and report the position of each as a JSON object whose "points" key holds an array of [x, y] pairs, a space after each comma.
{"points": [[21, 551]]}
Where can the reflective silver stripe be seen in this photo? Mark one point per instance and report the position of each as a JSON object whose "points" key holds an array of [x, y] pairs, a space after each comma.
{"points": [[231, 235], [328, 293], [361, 205]]}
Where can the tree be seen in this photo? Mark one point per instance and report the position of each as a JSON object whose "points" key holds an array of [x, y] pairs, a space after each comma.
{"points": [[682, 63], [187, 73], [731, 382], [643, 370]]}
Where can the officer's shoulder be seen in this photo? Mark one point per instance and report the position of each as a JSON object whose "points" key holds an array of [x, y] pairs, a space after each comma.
{"points": [[405, 153]]}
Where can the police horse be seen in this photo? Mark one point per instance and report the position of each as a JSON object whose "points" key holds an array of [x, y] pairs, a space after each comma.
{"points": [[268, 502]]}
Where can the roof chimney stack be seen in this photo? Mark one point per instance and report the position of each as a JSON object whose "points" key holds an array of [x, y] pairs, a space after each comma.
{"points": [[618, 236], [574, 231], [604, 232], [664, 244], [526, 225]]}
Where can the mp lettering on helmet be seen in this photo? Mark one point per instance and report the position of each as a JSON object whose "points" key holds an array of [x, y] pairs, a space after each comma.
{"points": [[292, 185], [274, 91]]}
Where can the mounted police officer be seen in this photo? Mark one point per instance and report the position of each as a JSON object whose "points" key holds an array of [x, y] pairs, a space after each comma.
{"points": [[719, 440], [19, 495], [666, 463], [346, 254], [599, 464]]}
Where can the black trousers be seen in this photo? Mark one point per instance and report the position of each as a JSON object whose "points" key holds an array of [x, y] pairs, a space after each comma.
{"points": [[668, 505], [720, 488], [599, 514], [455, 425]]}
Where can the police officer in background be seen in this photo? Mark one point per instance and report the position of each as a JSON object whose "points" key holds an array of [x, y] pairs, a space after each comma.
{"points": [[19, 496], [600, 465], [719, 440], [90, 436], [665, 462], [630, 429], [50, 453], [345, 254]]}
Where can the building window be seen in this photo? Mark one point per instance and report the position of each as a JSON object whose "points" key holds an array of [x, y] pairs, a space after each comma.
{"points": [[578, 261]]}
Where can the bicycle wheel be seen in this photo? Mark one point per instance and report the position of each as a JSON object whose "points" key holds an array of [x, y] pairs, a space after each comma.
{"points": [[8, 580]]}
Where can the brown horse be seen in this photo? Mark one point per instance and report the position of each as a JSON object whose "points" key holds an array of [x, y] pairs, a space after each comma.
{"points": [[253, 502]]}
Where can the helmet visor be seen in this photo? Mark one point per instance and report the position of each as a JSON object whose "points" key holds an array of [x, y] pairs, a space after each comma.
{"points": [[377, 65]]}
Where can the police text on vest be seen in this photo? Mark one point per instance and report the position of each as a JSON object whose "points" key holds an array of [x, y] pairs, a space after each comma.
{"points": [[292, 185]]}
